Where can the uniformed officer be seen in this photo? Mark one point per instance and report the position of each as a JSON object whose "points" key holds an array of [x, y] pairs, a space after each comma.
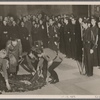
{"points": [[88, 49]]}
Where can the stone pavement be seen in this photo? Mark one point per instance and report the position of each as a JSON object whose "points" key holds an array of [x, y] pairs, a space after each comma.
{"points": [[71, 82]]}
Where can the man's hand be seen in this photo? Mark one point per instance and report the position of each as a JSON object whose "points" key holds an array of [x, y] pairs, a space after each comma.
{"points": [[27, 38], [55, 43], [38, 68], [7, 64], [8, 85], [91, 51]]}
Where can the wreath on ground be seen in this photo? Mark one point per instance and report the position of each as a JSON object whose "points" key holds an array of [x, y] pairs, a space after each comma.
{"points": [[22, 83]]}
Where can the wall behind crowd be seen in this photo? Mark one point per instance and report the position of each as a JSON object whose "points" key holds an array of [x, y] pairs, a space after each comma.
{"points": [[24, 9], [48, 9], [51, 10]]}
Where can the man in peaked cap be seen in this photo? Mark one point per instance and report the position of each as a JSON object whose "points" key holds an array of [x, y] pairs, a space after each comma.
{"points": [[88, 48]]}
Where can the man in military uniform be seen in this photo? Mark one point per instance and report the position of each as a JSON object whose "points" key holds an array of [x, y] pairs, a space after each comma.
{"points": [[67, 37], [88, 49]]}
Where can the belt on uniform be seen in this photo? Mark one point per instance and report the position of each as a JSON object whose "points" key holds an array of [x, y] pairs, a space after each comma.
{"points": [[87, 42]]}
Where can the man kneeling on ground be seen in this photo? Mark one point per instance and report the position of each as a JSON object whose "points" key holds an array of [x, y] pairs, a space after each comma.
{"points": [[3, 67]]}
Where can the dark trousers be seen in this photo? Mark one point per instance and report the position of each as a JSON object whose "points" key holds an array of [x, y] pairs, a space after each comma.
{"points": [[53, 73], [73, 47], [88, 59], [25, 45], [44, 69], [98, 54], [95, 57], [79, 46]]}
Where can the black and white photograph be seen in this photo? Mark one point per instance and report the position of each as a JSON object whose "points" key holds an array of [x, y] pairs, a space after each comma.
{"points": [[50, 49]]}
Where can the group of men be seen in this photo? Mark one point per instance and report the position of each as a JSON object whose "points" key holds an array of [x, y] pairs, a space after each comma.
{"points": [[76, 37]]}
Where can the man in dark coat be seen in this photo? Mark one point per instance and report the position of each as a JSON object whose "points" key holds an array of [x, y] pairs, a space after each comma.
{"points": [[79, 39], [51, 33], [67, 37], [88, 49], [62, 42], [1, 25], [24, 36], [34, 32], [28, 25], [44, 33], [14, 30], [5, 35], [73, 36], [99, 44]]}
